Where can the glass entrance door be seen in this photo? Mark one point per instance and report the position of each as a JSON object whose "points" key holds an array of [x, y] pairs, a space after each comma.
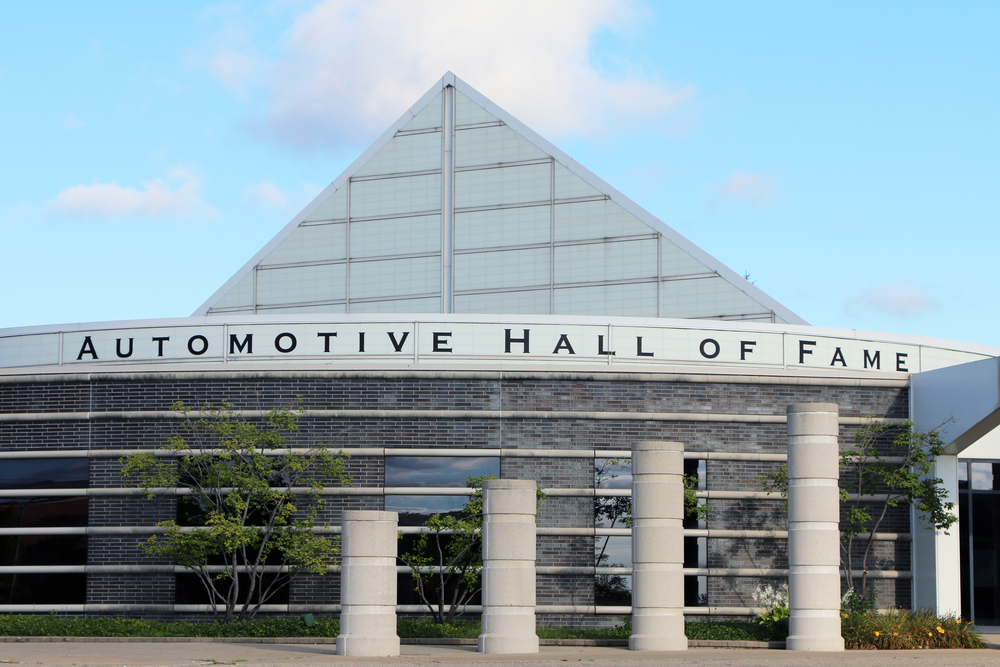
{"points": [[979, 515]]}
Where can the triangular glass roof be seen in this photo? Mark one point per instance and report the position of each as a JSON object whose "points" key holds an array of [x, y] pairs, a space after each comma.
{"points": [[460, 208]]}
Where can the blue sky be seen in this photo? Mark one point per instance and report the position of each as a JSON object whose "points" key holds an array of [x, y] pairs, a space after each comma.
{"points": [[846, 155]]}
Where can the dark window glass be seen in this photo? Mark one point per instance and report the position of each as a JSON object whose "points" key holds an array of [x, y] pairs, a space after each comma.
{"points": [[43, 550], [43, 512], [43, 588], [190, 590], [439, 471], [45, 474], [986, 558]]}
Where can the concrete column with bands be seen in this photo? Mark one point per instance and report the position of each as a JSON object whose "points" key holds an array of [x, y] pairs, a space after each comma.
{"points": [[508, 621], [368, 584], [658, 547], [814, 528]]}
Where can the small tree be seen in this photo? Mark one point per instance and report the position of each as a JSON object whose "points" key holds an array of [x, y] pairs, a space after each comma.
{"points": [[872, 482], [447, 559], [258, 504], [907, 481]]}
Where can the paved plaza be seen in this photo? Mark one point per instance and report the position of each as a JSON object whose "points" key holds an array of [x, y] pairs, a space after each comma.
{"points": [[188, 654]]}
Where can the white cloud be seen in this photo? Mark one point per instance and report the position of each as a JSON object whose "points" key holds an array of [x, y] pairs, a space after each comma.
{"points": [[155, 199], [228, 53], [71, 122], [351, 67], [899, 299], [268, 194], [754, 189]]}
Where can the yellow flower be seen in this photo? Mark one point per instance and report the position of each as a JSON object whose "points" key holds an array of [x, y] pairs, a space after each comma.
{"points": [[876, 633], [940, 629], [930, 634], [895, 634]]}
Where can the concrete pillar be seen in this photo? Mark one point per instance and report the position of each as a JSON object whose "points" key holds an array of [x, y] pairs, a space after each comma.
{"points": [[814, 528], [937, 557], [368, 584], [658, 547], [508, 624]]}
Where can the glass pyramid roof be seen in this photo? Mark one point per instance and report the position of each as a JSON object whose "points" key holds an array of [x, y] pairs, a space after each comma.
{"points": [[460, 208]]}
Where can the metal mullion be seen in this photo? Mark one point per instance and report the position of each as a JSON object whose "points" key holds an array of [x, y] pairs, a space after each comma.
{"points": [[347, 250], [659, 275], [403, 174], [504, 165], [476, 126], [498, 207], [552, 238], [448, 202], [408, 133]]}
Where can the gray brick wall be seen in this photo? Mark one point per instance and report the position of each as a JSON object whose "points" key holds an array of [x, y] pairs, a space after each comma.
{"points": [[457, 394]]}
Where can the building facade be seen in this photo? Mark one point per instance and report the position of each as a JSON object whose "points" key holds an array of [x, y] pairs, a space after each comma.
{"points": [[466, 299]]}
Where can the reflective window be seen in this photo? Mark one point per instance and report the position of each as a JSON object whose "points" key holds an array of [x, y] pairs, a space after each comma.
{"points": [[432, 471], [438, 471], [985, 476], [45, 474], [415, 510]]}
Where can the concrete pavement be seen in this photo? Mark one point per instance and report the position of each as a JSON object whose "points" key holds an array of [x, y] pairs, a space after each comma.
{"points": [[197, 654]]}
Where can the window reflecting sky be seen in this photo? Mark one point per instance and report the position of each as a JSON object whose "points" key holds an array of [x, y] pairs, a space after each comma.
{"points": [[440, 471], [415, 510], [608, 475]]}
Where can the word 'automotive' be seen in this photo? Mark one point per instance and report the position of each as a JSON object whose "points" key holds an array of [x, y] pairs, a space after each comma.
{"points": [[440, 340]]}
